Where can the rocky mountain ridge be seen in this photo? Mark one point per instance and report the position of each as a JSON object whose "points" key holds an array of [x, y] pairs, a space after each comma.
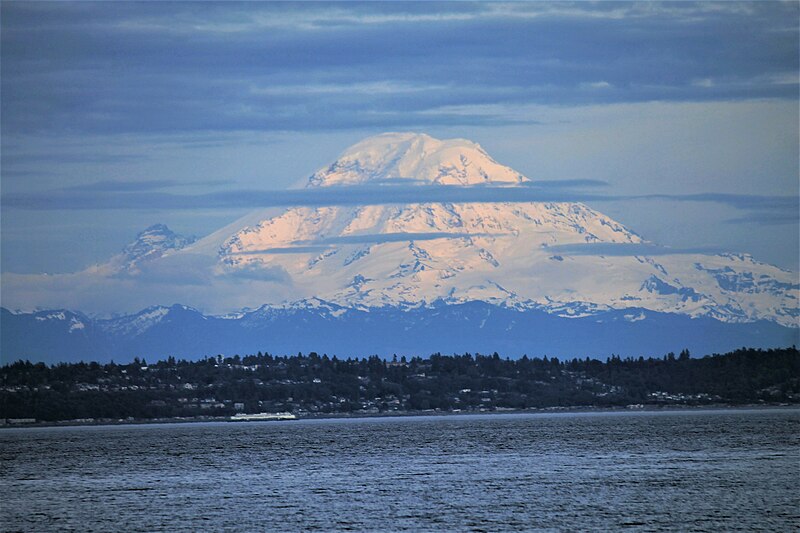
{"points": [[325, 327]]}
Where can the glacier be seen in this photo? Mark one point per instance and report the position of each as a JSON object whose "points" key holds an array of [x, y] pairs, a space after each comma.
{"points": [[502, 253]]}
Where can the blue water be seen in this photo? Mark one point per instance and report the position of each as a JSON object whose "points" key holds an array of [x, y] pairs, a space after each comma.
{"points": [[716, 471]]}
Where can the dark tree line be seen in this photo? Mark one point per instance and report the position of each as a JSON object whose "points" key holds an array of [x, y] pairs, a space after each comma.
{"points": [[317, 384]]}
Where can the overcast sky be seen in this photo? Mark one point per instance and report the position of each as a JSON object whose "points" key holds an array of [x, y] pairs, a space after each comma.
{"points": [[678, 120]]}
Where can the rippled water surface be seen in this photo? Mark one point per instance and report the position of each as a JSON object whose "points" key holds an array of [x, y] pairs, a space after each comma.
{"points": [[667, 471]]}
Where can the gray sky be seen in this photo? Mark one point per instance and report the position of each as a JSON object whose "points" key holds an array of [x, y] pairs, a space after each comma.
{"points": [[679, 120]]}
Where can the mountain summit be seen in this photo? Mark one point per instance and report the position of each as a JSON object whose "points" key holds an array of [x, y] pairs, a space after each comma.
{"points": [[415, 158], [153, 243]]}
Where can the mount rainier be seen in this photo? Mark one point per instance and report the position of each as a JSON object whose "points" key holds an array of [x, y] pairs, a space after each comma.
{"points": [[526, 277]]}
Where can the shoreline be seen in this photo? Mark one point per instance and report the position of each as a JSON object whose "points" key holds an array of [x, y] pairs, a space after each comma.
{"points": [[401, 414]]}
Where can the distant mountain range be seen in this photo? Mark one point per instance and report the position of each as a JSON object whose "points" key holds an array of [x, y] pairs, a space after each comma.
{"points": [[515, 277], [324, 327]]}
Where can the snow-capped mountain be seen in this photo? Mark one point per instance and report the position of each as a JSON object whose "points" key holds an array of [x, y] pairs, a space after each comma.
{"points": [[149, 245], [502, 253], [413, 158], [517, 277], [324, 327]]}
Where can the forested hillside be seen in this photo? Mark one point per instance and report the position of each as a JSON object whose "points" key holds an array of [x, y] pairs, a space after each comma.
{"points": [[317, 384]]}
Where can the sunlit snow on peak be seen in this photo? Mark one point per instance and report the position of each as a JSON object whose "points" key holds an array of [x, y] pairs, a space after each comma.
{"points": [[418, 159]]}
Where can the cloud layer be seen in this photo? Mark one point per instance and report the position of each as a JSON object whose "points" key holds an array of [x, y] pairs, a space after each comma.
{"points": [[628, 249], [164, 67], [762, 208]]}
